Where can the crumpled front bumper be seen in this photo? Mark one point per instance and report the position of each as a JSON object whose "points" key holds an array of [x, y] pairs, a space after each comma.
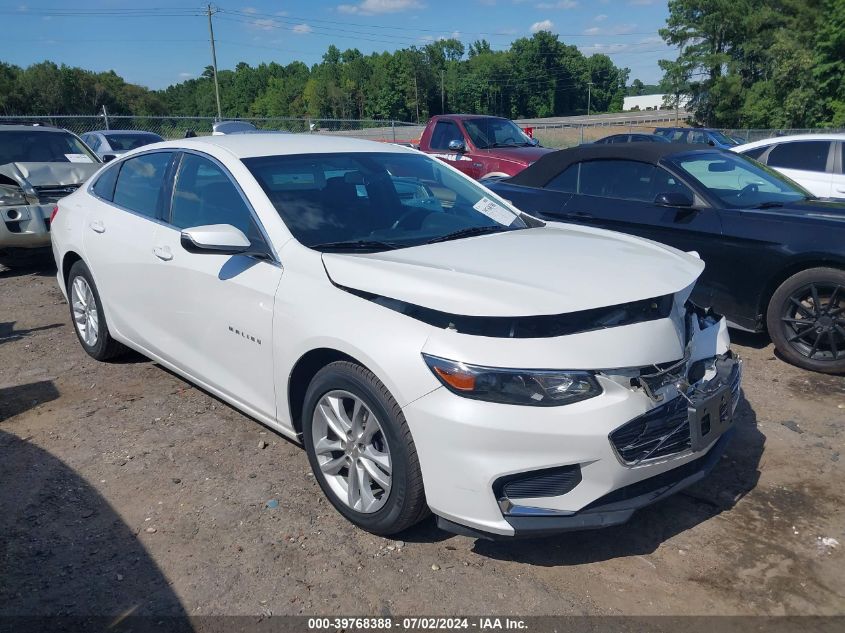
{"points": [[477, 456], [25, 226]]}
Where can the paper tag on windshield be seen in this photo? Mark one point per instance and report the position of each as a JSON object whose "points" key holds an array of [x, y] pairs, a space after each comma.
{"points": [[495, 212], [78, 158]]}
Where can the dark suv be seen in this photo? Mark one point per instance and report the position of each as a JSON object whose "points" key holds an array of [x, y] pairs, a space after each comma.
{"points": [[38, 166]]}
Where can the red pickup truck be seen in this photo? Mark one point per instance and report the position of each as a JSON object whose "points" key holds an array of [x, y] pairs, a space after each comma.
{"points": [[480, 146]]}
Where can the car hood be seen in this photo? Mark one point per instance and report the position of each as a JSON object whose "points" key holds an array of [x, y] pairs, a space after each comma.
{"points": [[524, 155], [541, 271], [49, 174]]}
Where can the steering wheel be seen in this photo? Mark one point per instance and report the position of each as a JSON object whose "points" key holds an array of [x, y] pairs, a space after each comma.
{"points": [[405, 218], [751, 187]]}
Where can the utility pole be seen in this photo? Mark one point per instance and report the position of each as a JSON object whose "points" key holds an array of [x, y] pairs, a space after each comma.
{"points": [[105, 116], [442, 92], [589, 94], [214, 62], [416, 96]]}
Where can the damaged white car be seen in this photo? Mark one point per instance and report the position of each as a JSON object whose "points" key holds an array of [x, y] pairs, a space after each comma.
{"points": [[432, 347], [38, 166]]}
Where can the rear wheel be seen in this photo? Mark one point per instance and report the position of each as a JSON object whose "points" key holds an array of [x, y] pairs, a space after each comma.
{"points": [[806, 319], [361, 450], [86, 311]]}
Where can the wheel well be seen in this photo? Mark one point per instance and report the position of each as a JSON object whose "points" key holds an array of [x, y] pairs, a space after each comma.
{"points": [[69, 260], [793, 269], [302, 374]]}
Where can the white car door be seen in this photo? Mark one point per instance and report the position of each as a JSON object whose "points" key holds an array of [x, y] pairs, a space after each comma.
{"points": [[809, 163], [118, 242], [216, 310]]}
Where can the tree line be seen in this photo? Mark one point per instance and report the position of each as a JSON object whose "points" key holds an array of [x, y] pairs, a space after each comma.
{"points": [[758, 63], [538, 76]]}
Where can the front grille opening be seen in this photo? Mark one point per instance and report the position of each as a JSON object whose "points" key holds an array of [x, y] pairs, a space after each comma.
{"points": [[548, 482], [667, 423]]}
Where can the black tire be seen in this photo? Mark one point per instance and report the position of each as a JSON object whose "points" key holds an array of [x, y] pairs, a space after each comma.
{"points": [[105, 347], [808, 337], [406, 503]]}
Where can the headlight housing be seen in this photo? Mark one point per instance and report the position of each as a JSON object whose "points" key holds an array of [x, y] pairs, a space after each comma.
{"points": [[9, 195], [530, 387]]}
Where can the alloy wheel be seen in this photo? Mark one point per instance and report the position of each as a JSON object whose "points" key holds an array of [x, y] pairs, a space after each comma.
{"points": [[352, 451], [813, 319], [85, 315]]}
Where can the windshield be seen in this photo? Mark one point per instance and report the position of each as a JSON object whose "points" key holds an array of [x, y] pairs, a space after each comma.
{"points": [[491, 132], [124, 142], [37, 146], [739, 181], [721, 138], [376, 201]]}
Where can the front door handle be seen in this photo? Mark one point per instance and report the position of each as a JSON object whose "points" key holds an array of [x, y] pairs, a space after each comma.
{"points": [[97, 226], [163, 253], [579, 215]]}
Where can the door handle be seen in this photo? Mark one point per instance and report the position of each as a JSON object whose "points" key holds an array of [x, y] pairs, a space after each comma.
{"points": [[97, 226], [163, 253], [579, 215]]}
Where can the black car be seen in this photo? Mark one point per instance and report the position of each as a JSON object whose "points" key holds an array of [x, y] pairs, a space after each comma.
{"points": [[633, 138], [775, 255]]}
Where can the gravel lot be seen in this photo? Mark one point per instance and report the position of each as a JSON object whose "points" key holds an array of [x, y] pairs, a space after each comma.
{"points": [[124, 489]]}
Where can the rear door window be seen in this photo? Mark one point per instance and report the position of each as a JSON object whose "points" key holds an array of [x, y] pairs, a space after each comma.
{"points": [[804, 155], [140, 182]]}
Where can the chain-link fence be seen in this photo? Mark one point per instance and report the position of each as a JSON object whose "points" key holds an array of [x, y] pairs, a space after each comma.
{"points": [[557, 133]]}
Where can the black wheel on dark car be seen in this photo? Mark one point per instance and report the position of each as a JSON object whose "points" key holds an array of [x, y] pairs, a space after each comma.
{"points": [[806, 319], [361, 451], [86, 311]]}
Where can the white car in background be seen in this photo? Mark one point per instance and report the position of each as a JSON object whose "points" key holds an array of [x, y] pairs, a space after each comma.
{"points": [[432, 347], [814, 161]]}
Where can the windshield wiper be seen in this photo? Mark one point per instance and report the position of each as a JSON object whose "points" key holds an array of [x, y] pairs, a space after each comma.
{"points": [[358, 245], [469, 232]]}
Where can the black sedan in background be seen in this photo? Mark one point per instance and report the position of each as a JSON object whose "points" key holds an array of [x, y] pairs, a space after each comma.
{"points": [[775, 256], [633, 138]]}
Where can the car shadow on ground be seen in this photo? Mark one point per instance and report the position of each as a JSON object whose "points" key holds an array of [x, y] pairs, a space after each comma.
{"points": [[64, 551], [20, 398], [8, 332], [45, 267], [732, 478]]}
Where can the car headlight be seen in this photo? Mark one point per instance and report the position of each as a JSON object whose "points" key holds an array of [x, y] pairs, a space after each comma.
{"points": [[10, 195], [533, 387]]}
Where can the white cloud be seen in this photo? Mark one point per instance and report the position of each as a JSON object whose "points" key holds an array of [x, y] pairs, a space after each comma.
{"points": [[302, 29], [560, 4], [545, 25], [592, 31], [250, 10], [265, 24], [601, 17], [186, 75], [375, 7]]}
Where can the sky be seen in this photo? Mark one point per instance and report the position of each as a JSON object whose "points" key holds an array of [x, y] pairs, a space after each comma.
{"points": [[159, 43]]}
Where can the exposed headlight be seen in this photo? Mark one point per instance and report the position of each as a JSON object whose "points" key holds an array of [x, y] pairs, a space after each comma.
{"points": [[9, 195], [538, 388]]}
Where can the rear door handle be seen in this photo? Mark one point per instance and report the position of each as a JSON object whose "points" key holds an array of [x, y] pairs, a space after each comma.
{"points": [[579, 215], [163, 253], [97, 226]]}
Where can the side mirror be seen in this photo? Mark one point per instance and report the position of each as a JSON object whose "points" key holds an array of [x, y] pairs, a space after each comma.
{"points": [[107, 158], [223, 239], [673, 199], [457, 146]]}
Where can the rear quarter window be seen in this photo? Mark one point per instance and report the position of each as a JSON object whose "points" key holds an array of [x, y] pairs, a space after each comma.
{"points": [[104, 185]]}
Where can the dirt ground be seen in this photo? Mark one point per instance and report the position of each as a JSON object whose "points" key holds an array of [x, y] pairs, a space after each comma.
{"points": [[123, 489]]}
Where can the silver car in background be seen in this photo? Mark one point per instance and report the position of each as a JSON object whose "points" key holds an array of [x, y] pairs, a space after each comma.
{"points": [[109, 144]]}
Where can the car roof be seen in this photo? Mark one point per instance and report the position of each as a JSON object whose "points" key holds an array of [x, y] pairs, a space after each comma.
{"points": [[110, 132], [551, 164], [276, 144], [30, 128], [786, 139]]}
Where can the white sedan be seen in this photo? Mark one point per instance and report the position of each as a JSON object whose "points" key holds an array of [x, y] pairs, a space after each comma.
{"points": [[431, 346], [814, 161]]}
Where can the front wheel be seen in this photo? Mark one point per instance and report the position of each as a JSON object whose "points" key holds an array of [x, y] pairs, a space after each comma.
{"points": [[361, 451], [806, 319]]}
